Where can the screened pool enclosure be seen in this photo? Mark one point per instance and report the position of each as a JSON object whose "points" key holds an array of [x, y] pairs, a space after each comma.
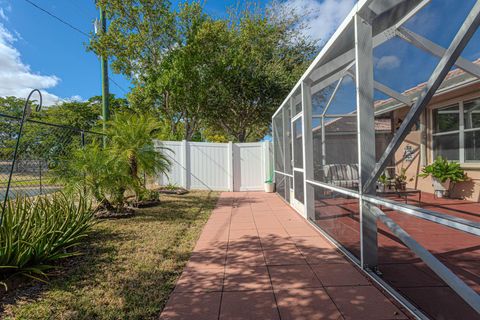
{"points": [[349, 123]]}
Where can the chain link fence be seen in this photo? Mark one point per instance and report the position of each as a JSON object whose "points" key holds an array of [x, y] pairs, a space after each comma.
{"points": [[42, 147]]}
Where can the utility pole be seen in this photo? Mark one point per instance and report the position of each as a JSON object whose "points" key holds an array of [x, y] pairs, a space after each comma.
{"points": [[104, 67]]}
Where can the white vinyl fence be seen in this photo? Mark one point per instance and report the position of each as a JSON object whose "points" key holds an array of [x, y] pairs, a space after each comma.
{"points": [[217, 166]]}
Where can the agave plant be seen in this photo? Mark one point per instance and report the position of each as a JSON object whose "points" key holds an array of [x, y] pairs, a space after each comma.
{"points": [[131, 139], [36, 232]]}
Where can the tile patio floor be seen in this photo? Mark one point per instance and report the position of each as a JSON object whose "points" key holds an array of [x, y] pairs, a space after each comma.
{"points": [[258, 259], [399, 266]]}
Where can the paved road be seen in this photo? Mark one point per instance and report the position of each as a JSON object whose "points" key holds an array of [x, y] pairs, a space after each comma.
{"points": [[30, 191]]}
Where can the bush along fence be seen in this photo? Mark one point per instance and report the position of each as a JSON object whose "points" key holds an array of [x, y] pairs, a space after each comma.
{"points": [[30, 150]]}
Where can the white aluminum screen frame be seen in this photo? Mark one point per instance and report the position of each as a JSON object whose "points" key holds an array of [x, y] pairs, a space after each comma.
{"points": [[351, 46]]}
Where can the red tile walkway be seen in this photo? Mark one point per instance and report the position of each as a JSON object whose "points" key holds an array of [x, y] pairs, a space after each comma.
{"points": [[258, 259]]}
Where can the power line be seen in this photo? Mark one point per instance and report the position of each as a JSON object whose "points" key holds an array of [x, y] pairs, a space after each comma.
{"points": [[73, 28], [59, 19], [116, 84]]}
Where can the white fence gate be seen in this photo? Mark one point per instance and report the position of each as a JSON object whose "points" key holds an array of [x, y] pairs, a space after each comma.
{"points": [[218, 166]]}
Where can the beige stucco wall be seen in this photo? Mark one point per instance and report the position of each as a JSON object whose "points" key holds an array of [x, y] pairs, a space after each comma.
{"points": [[469, 190]]}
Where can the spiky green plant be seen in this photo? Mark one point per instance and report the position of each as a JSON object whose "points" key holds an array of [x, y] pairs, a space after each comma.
{"points": [[131, 139], [36, 232]]}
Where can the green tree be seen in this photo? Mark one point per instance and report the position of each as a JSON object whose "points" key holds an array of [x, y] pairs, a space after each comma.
{"points": [[50, 143], [265, 55], [195, 72], [9, 106], [107, 173], [178, 86], [138, 35], [85, 115], [150, 43]]}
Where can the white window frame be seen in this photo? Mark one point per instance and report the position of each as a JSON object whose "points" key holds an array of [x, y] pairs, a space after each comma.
{"points": [[461, 130]]}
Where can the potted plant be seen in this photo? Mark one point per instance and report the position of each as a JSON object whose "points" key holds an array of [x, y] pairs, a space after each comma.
{"points": [[383, 183], [400, 180], [444, 175], [269, 185]]}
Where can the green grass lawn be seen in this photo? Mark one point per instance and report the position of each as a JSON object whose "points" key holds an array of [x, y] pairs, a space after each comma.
{"points": [[25, 180], [128, 270]]}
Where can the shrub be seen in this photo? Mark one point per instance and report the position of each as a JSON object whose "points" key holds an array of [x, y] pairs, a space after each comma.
{"points": [[444, 170], [35, 233], [96, 172], [106, 173], [148, 195]]}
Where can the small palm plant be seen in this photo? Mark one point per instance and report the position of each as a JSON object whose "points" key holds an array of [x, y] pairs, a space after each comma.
{"points": [[131, 139], [106, 173], [94, 171]]}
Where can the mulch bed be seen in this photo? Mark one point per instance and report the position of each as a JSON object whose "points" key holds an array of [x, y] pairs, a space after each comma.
{"points": [[178, 191], [118, 213], [145, 203]]}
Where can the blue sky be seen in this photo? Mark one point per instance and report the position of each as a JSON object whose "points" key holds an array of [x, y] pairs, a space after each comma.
{"points": [[36, 50], [55, 52]]}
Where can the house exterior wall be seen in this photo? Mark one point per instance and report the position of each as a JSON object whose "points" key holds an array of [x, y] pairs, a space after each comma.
{"points": [[469, 190]]}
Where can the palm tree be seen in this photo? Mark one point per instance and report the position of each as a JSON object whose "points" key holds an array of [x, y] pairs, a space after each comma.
{"points": [[131, 138], [95, 171]]}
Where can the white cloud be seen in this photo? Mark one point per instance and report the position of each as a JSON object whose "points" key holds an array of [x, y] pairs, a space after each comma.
{"points": [[388, 62], [16, 77], [321, 18], [75, 98], [6, 7], [3, 15]]}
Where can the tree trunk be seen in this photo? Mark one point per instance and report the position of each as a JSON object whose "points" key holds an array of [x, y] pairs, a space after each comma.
{"points": [[132, 161], [241, 136], [188, 134]]}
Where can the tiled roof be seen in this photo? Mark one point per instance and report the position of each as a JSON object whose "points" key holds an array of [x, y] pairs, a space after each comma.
{"points": [[453, 78], [348, 124]]}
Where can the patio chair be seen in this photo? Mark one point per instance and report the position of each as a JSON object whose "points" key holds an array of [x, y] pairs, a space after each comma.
{"points": [[342, 175]]}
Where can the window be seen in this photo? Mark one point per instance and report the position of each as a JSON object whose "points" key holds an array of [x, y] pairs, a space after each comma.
{"points": [[456, 131], [446, 132], [471, 116]]}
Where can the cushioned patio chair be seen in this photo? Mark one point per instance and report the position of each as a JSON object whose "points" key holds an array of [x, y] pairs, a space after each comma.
{"points": [[342, 175]]}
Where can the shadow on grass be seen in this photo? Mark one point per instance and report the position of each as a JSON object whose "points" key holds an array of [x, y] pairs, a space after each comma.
{"points": [[94, 252], [127, 268]]}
